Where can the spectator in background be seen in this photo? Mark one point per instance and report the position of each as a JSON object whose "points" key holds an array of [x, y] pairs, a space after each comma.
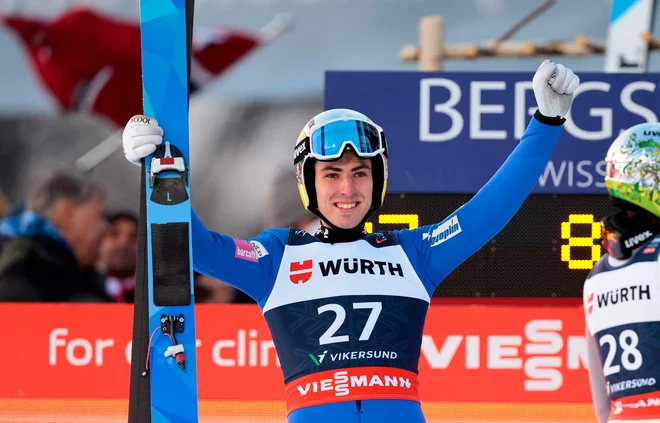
{"points": [[118, 256], [285, 212], [53, 244], [9, 210]]}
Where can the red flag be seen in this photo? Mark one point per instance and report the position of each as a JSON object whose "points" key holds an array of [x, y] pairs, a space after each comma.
{"points": [[91, 62]]}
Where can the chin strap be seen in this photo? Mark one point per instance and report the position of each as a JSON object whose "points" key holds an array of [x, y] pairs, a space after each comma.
{"points": [[332, 233]]}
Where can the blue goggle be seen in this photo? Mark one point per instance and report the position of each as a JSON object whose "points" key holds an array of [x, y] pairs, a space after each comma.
{"points": [[330, 140]]}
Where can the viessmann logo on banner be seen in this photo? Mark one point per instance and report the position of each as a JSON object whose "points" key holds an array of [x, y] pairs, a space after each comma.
{"points": [[468, 354], [449, 132]]}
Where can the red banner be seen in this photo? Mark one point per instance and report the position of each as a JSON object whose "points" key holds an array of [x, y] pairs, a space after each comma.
{"points": [[469, 354], [90, 61]]}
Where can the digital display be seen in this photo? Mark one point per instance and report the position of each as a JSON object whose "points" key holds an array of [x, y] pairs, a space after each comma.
{"points": [[546, 249]]}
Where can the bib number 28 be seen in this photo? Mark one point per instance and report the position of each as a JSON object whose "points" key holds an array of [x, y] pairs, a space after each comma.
{"points": [[631, 357], [329, 336]]}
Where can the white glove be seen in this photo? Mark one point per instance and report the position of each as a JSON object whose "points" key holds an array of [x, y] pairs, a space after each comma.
{"points": [[140, 138], [554, 85]]}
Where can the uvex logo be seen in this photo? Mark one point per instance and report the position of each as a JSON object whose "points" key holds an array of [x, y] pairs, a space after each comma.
{"points": [[637, 239], [300, 271], [300, 149]]}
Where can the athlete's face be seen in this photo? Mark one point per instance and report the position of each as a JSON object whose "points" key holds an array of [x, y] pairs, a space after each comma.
{"points": [[344, 189]]}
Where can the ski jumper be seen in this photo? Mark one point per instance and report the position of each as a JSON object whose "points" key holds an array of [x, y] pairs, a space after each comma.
{"points": [[347, 318], [622, 314]]}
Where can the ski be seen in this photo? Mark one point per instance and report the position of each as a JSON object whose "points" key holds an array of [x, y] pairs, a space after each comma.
{"points": [[166, 350]]}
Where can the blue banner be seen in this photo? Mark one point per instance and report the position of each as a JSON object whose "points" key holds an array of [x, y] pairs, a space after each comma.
{"points": [[449, 132]]}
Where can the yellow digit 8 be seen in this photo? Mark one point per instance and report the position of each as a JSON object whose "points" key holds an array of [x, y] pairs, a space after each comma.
{"points": [[585, 241], [412, 220]]}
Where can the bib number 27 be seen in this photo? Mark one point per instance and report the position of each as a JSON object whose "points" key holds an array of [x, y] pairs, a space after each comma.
{"points": [[329, 336]]}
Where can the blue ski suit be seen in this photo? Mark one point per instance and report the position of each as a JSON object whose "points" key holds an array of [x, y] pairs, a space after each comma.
{"points": [[347, 318]]}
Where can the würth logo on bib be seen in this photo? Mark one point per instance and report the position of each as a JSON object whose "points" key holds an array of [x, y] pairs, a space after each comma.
{"points": [[300, 271], [362, 266]]}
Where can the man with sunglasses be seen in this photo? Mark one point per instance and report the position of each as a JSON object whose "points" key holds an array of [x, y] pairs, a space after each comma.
{"points": [[346, 308]]}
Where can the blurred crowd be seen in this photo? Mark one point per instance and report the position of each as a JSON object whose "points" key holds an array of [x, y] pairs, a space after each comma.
{"points": [[63, 245]]}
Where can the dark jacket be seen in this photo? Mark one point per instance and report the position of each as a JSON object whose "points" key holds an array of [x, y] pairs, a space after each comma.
{"points": [[43, 269]]}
